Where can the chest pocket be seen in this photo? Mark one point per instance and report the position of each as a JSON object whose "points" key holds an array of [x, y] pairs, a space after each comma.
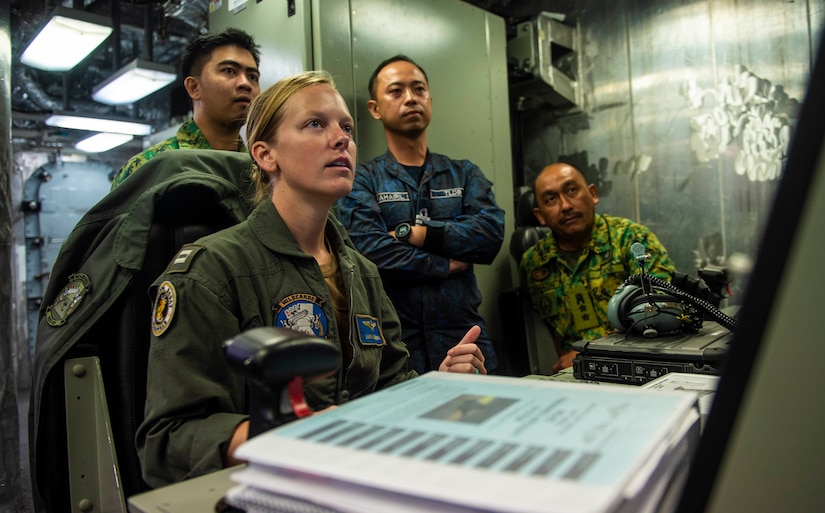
{"points": [[396, 207], [446, 203], [605, 280], [545, 292]]}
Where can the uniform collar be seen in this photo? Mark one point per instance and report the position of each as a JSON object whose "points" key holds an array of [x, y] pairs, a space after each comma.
{"points": [[189, 136], [433, 163], [268, 226], [600, 238]]}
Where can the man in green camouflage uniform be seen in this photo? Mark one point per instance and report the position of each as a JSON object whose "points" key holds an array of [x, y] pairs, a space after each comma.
{"points": [[573, 272], [221, 78]]}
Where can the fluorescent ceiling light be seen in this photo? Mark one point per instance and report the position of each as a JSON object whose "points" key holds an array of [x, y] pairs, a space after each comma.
{"points": [[101, 142], [136, 80], [68, 37], [98, 124]]}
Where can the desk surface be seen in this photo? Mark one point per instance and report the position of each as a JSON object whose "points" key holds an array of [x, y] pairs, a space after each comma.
{"points": [[198, 495], [201, 494]]}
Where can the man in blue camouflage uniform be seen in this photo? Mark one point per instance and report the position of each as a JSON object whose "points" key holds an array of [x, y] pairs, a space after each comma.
{"points": [[221, 77], [573, 272], [423, 219]]}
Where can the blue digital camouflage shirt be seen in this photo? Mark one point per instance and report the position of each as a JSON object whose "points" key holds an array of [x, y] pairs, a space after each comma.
{"points": [[456, 202], [188, 137], [573, 301]]}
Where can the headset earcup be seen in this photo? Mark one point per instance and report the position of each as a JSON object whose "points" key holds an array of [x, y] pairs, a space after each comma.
{"points": [[628, 309], [618, 306], [665, 316]]}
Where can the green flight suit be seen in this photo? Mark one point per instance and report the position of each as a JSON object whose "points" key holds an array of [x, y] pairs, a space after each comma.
{"points": [[252, 274]]}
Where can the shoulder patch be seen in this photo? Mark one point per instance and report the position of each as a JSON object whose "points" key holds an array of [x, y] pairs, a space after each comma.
{"points": [[164, 308], [69, 299], [369, 331], [184, 258]]}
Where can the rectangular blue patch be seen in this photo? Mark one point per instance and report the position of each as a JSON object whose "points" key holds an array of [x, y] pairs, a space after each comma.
{"points": [[457, 192], [369, 331]]}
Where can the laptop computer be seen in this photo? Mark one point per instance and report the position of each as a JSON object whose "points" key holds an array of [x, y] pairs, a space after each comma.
{"points": [[629, 358]]}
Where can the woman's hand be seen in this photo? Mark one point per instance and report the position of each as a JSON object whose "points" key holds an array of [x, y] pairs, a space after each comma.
{"points": [[465, 356]]}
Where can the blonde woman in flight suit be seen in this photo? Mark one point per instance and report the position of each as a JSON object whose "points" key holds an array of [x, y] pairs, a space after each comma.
{"points": [[290, 264]]}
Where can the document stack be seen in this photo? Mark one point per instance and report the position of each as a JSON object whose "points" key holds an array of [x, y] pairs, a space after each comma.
{"points": [[454, 443]]}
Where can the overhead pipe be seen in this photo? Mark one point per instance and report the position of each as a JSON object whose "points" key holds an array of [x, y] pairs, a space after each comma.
{"points": [[116, 34], [148, 32]]}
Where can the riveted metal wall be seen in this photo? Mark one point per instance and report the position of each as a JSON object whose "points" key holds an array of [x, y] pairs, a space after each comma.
{"points": [[15, 492], [55, 197], [687, 110]]}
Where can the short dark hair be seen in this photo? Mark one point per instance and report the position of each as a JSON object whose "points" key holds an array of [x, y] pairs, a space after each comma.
{"points": [[387, 62], [200, 49]]}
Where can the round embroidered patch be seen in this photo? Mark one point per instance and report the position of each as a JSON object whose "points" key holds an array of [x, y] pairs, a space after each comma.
{"points": [[164, 309], [68, 300], [302, 312], [540, 274]]}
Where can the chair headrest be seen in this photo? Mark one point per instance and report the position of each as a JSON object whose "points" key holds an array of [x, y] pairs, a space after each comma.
{"points": [[525, 237], [524, 208], [528, 230]]}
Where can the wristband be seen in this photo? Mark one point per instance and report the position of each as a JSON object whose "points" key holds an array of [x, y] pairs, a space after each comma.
{"points": [[434, 241]]}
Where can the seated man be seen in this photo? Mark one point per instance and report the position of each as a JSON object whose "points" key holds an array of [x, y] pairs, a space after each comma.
{"points": [[573, 272]]}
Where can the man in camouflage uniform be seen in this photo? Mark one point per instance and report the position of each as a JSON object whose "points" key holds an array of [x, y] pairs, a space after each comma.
{"points": [[221, 78], [573, 272]]}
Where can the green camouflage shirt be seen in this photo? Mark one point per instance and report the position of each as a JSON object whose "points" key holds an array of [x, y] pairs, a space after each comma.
{"points": [[188, 137], [573, 301]]}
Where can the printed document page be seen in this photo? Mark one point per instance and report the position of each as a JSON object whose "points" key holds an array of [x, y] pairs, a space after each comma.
{"points": [[488, 443], [702, 384]]}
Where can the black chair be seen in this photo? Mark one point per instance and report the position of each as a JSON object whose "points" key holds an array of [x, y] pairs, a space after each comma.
{"points": [[89, 386], [529, 348]]}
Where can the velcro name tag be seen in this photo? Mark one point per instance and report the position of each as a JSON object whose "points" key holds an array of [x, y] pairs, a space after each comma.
{"points": [[389, 197], [456, 192]]}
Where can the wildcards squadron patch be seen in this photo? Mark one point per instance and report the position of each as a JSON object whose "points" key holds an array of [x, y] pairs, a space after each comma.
{"points": [[302, 312], [69, 299], [164, 309]]}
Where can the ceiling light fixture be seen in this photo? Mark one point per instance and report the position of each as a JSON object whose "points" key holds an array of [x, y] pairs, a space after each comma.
{"points": [[98, 124], [101, 142], [136, 80], [69, 36]]}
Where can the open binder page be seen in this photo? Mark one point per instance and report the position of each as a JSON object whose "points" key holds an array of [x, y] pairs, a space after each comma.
{"points": [[486, 443]]}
